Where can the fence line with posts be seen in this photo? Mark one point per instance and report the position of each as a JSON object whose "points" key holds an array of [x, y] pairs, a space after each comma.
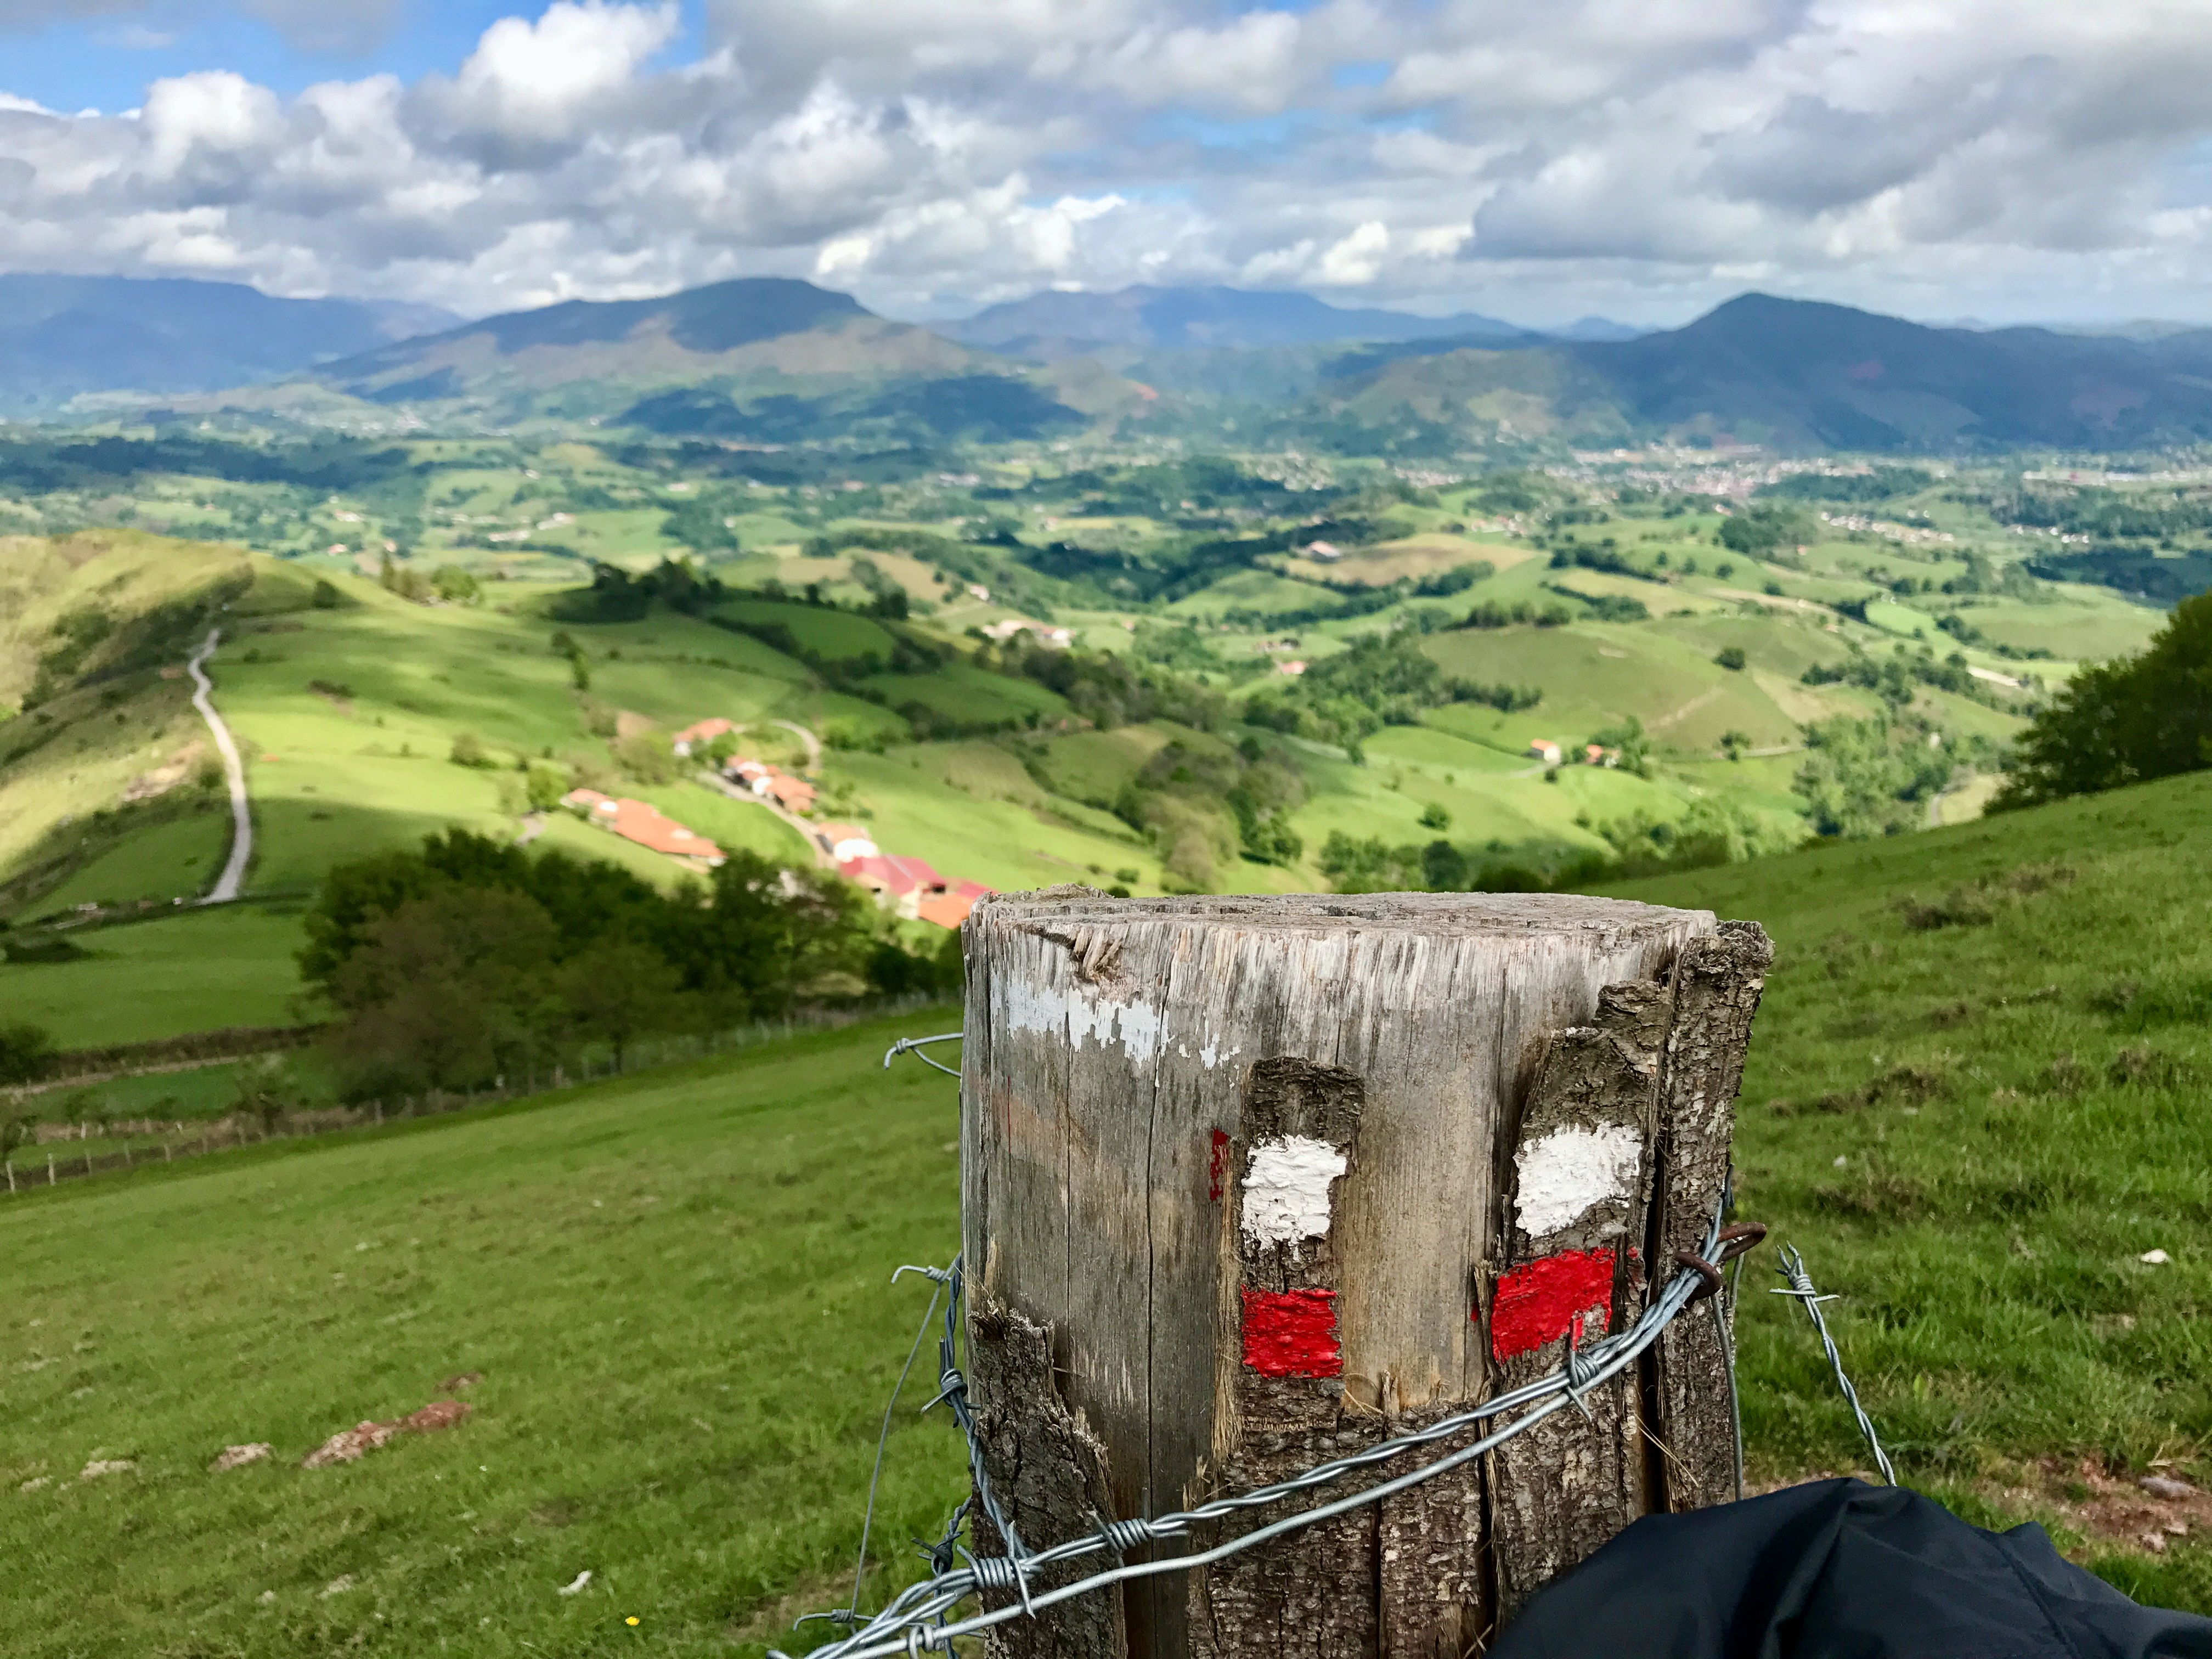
{"points": [[238, 1129]]}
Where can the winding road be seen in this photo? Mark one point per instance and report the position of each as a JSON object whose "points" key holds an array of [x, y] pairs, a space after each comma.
{"points": [[242, 819], [813, 743]]}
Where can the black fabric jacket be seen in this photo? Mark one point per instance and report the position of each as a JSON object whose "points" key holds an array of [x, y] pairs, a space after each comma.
{"points": [[1840, 1570]]}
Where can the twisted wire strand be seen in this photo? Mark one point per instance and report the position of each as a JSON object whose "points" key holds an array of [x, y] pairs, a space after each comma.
{"points": [[1792, 1267], [917, 1619], [913, 1046]]}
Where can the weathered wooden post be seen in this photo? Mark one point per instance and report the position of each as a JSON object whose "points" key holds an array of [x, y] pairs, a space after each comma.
{"points": [[1249, 1183]]}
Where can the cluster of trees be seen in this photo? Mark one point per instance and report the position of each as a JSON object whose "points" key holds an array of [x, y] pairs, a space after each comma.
{"points": [[1491, 614], [1867, 778], [1854, 488], [1384, 679], [1760, 531], [2106, 512], [2125, 722], [470, 959], [616, 595], [448, 583], [1207, 806], [1708, 833], [1894, 677]]}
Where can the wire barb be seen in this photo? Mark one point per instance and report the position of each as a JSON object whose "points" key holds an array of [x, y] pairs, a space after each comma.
{"points": [[1792, 1267]]}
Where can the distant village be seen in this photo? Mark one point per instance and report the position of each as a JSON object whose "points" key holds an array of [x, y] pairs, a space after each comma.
{"points": [[908, 887]]}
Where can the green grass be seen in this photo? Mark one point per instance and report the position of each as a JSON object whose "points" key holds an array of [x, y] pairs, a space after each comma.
{"points": [[839, 636], [1973, 1132], [177, 859], [676, 1290], [200, 970]]}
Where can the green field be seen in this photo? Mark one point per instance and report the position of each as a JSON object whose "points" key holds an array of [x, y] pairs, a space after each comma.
{"points": [[198, 970]]}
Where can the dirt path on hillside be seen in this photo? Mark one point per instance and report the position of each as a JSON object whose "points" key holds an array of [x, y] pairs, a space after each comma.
{"points": [[241, 817], [735, 792]]}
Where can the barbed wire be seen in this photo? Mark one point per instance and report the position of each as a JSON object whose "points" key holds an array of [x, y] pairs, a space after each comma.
{"points": [[918, 1618], [1792, 1267]]}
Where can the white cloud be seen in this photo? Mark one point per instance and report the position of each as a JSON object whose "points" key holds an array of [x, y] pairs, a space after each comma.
{"points": [[1636, 155]]}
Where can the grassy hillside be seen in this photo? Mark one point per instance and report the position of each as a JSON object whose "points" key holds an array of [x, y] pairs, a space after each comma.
{"points": [[676, 1288], [675, 1292]]}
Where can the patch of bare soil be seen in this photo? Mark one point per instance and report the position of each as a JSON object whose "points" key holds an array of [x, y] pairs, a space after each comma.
{"points": [[348, 1445], [2144, 1512], [165, 777]]}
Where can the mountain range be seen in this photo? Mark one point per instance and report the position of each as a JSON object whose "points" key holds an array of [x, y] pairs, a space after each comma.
{"points": [[778, 361], [63, 336], [1054, 324]]}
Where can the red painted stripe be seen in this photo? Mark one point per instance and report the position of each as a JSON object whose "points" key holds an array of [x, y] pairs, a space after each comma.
{"points": [[1291, 1334], [1539, 1302], [1218, 1166]]}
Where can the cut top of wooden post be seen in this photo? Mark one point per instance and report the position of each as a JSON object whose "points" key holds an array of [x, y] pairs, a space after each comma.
{"points": [[1171, 1106]]}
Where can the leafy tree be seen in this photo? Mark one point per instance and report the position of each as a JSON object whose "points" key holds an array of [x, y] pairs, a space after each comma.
{"points": [[1435, 815], [544, 785], [455, 585], [468, 750], [1731, 657], [448, 992], [2141, 717], [623, 991], [1444, 867], [18, 1129]]}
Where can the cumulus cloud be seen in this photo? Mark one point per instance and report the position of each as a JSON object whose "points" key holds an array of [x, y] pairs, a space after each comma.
{"points": [[1639, 155]]}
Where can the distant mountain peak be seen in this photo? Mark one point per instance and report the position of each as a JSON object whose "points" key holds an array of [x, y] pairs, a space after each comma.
{"points": [[63, 336]]}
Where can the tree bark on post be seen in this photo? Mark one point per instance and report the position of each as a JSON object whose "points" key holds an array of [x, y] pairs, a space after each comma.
{"points": [[1243, 1180]]}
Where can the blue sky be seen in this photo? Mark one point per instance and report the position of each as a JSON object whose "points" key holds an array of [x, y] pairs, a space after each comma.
{"points": [[1642, 159]]}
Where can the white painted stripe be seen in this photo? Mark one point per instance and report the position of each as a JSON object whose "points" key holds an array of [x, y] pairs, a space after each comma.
{"points": [[1074, 1017], [1569, 1169], [1287, 1189]]}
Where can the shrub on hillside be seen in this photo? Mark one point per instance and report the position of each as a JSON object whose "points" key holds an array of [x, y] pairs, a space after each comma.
{"points": [[648, 756], [2125, 722], [26, 1052]]}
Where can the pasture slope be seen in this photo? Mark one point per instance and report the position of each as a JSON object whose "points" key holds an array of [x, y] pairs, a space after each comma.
{"points": [[1971, 1100]]}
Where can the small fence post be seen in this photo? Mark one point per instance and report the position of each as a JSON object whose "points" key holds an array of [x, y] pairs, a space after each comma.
{"points": [[11, 1176], [1333, 1169], [50, 1169]]}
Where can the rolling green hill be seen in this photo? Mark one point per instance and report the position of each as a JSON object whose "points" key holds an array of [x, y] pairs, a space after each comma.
{"points": [[1969, 1100]]}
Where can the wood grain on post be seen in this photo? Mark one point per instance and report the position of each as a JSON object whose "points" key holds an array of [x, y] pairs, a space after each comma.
{"points": [[1718, 985], [1233, 1171]]}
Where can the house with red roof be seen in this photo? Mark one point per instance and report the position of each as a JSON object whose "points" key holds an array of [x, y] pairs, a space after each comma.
{"points": [[793, 794], [645, 824], [950, 908]]}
